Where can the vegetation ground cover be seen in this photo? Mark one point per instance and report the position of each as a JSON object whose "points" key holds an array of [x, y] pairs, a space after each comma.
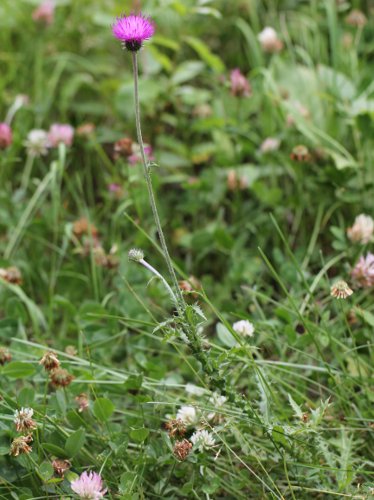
{"points": [[258, 123]]}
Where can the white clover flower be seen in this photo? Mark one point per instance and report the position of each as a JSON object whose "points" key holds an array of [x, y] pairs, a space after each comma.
{"points": [[362, 229], [269, 145], [269, 40], [187, 414], [23, 419], [244, 327], [194, 390], [37, 142], [203, 440], [217, 400]]}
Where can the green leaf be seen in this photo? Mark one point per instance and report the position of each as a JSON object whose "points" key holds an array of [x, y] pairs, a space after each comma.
{"points": [[212, 60], [139, 435], [187, 71], [45, 470], [18, 369], [75, 442], [366, 316], [103, 409], [26, 396], [225, 336], [55, 450]]}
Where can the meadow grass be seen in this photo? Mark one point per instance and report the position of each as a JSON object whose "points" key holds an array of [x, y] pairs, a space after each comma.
{"points": [[256, 381]]}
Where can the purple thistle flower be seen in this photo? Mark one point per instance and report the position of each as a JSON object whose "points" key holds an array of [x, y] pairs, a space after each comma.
{"points": [[89, 486], [133, 30]]}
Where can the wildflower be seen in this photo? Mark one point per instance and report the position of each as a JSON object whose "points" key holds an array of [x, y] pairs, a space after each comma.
{"points": [[83, 226], [115, 189], [269, 145], [60, 133], [136, 254], [187, 414], [300, 153], [5, 355], [133, 30], [363, 272], [71, 350], [11, 275], [234, 182], [244, 327], [23, 420], [82, 402], [182, 449], [6, 136], [60, 377], [341, 290], [60, 466], [89, 486], [356, 18], [203, 440], [50, 361], [21, 445], [44, 13], [175, 427], [202, 111], [194, 389], [239, 84], [123, 148], [86, 129], [217, 401], [362, 229], [37, 142], [135, 157], [269, 40]]}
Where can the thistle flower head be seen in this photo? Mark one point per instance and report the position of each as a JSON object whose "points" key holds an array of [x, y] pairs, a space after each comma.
{"points": [[244, 327], [136, 254], [21, 445], [341, 290], [363, 272], [6, 136], [133, 30], [89, 486], [23, 420], [203, 440]]}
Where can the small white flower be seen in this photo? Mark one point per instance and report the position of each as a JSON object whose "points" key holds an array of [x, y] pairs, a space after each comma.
{"points": [[269, 40], [194, 390], [362, 229], [23, 419], [187, 414], [244, 327], [217, 400], [203, 440], [37, 142], [270, 144]]}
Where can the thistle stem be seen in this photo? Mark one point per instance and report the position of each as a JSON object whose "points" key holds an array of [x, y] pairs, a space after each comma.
{"points": [[180, 299]]}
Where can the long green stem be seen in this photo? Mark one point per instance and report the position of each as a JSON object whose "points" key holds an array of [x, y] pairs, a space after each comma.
{"points": [[181, 302]]}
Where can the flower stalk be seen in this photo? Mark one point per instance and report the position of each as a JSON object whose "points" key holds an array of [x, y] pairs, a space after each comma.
{"points": [[146, 169]]}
